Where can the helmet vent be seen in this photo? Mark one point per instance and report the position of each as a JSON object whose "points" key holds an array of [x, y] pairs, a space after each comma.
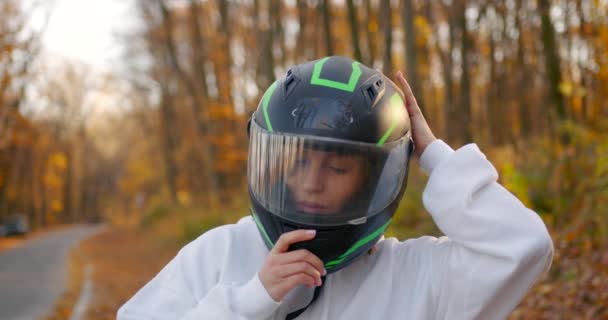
{"points": [[290, 83], [372, 93]]}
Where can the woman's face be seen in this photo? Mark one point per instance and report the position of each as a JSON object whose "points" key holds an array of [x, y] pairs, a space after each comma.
{"points": [[322, 182]]}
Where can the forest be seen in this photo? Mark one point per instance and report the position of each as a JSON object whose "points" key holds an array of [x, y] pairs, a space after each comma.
{"points": [[165, 131]]}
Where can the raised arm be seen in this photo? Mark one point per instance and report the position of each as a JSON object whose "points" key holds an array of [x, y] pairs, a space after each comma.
{"points": [[494, 248]]}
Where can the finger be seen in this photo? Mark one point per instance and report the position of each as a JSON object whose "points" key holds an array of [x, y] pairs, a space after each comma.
{"points": [[410, 101], [297, 279], [288, 238], [288, 270], [302, 255], [407, 90]]}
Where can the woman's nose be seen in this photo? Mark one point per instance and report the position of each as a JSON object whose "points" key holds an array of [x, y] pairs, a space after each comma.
{"points": [[313, 179]]}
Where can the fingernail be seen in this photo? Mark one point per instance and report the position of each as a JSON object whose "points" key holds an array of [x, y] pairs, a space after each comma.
{"points": [[311, 232], [324, 271]]}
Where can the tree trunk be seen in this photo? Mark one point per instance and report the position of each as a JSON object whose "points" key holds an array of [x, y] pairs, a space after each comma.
{"points": [[445, 57], [354, 29], [265, 61], [167, 122], [584, 75], [387, 30], [552, 63], [302, 49], [370, 33], [325, 8], [407, 20], [492, 103], [523, 82], [465, 81], [70, 191], [199, 52], [276, 15]]}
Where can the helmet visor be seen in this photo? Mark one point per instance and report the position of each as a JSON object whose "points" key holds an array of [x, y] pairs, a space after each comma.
{"points": [[324, 181]]}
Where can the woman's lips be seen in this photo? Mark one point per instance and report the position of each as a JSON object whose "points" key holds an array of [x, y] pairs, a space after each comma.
{"points": [[311, 207]]}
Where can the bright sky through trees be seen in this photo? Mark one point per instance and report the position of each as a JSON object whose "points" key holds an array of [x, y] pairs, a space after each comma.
{"points": [[84, 30]]}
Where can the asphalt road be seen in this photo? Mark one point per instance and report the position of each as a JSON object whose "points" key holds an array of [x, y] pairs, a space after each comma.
{"points": [[33, 275]]}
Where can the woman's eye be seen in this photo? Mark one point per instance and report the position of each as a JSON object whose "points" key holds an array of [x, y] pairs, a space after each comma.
{"points": [[338, 170]]}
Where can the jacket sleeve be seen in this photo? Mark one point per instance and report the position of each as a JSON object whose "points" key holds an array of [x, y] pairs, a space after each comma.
{"points": [[494, 249], [188, 288]]}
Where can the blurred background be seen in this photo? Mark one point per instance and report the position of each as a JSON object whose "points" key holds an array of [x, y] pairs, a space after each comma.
{"points": [[132, 114]]}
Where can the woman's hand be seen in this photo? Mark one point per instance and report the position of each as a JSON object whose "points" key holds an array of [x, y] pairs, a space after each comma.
{"points": [[283, 271], [421, 132]]}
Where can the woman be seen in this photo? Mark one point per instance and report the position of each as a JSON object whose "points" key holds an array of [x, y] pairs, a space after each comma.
{"points": [[329, 152]]}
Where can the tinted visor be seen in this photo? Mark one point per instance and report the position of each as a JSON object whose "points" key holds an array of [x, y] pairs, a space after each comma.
{"points": [[324, 181]]}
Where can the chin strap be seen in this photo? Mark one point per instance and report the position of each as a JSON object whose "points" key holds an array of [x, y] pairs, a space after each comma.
{"points": [[315, 295]]}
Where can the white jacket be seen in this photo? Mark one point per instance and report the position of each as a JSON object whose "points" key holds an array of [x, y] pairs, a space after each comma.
{"points": [[493, 251]]}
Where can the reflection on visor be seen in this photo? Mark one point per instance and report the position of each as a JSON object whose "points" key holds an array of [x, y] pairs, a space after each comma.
{"points": [[324, 181]]}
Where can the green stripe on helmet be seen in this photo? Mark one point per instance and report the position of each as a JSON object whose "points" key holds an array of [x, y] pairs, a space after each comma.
{"points": [[352, 80], [395, 102], [261, 227], [358, 244], [265, 100]]}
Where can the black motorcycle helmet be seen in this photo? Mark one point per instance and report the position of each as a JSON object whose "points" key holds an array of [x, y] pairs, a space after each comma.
{"points": [[340, 108]]}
